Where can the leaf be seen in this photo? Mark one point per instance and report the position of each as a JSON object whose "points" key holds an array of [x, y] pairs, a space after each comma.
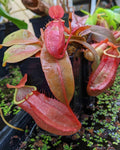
{"points": [[21, 83], [83, 30], [109, 15], [20, 24], [18, 53], [101, 33], [49, 114], [56, 12], [20, 37], [116, 9], [92, 19], [77, 21], [85, 12], [59, 75], [112, 23], [117, 17]]}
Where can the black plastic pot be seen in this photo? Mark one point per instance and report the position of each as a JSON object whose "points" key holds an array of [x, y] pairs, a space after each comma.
{"points": [[5, 29], [10, 139]]}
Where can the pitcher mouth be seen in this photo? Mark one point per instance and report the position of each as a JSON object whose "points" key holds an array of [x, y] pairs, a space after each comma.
{"points": [[112, 55], [22, 94]]}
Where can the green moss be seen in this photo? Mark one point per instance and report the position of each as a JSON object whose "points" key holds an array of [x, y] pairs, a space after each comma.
{"points": [[67, 147], [6, 95]]}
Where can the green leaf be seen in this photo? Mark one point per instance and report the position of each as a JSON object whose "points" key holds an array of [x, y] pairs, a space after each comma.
{"points": [[110, 16], [85, 12], [117, 17], [18, 53], [111, 23], [116, 9], [19, 23], [92, 19]]}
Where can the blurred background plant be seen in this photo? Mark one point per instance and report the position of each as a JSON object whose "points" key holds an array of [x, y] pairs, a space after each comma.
{"points": [[5, 10], [107, 17]]}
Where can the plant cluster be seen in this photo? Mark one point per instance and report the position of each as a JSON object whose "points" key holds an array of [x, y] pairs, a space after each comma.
{"points": [[51, 48], [5, 13], [108, 18]]}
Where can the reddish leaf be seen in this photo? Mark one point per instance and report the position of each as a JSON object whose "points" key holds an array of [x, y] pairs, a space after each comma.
{"points": [[17, 53], [76, 21], [100, 33], [59, 75], [81, 30], [20, 37], [55, 39], [49, 114], [21, 84], [56, 12]]}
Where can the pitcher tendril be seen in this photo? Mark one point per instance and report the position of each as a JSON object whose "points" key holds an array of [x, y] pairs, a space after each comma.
{"points": [[11, 126]]}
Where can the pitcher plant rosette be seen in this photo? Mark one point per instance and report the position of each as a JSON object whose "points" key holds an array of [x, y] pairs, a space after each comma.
{"points": [[100, 47]]}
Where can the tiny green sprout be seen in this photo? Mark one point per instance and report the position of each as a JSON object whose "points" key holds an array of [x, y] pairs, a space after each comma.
{"points": [[84, 139], [46, 138], [95, 148], [67, 147], [100, 145], [31, 146], [77, 136], [32, 140], [115, 143], [45, 147], [37, 137], [26, 131], [57, 143], [89, 143]]}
